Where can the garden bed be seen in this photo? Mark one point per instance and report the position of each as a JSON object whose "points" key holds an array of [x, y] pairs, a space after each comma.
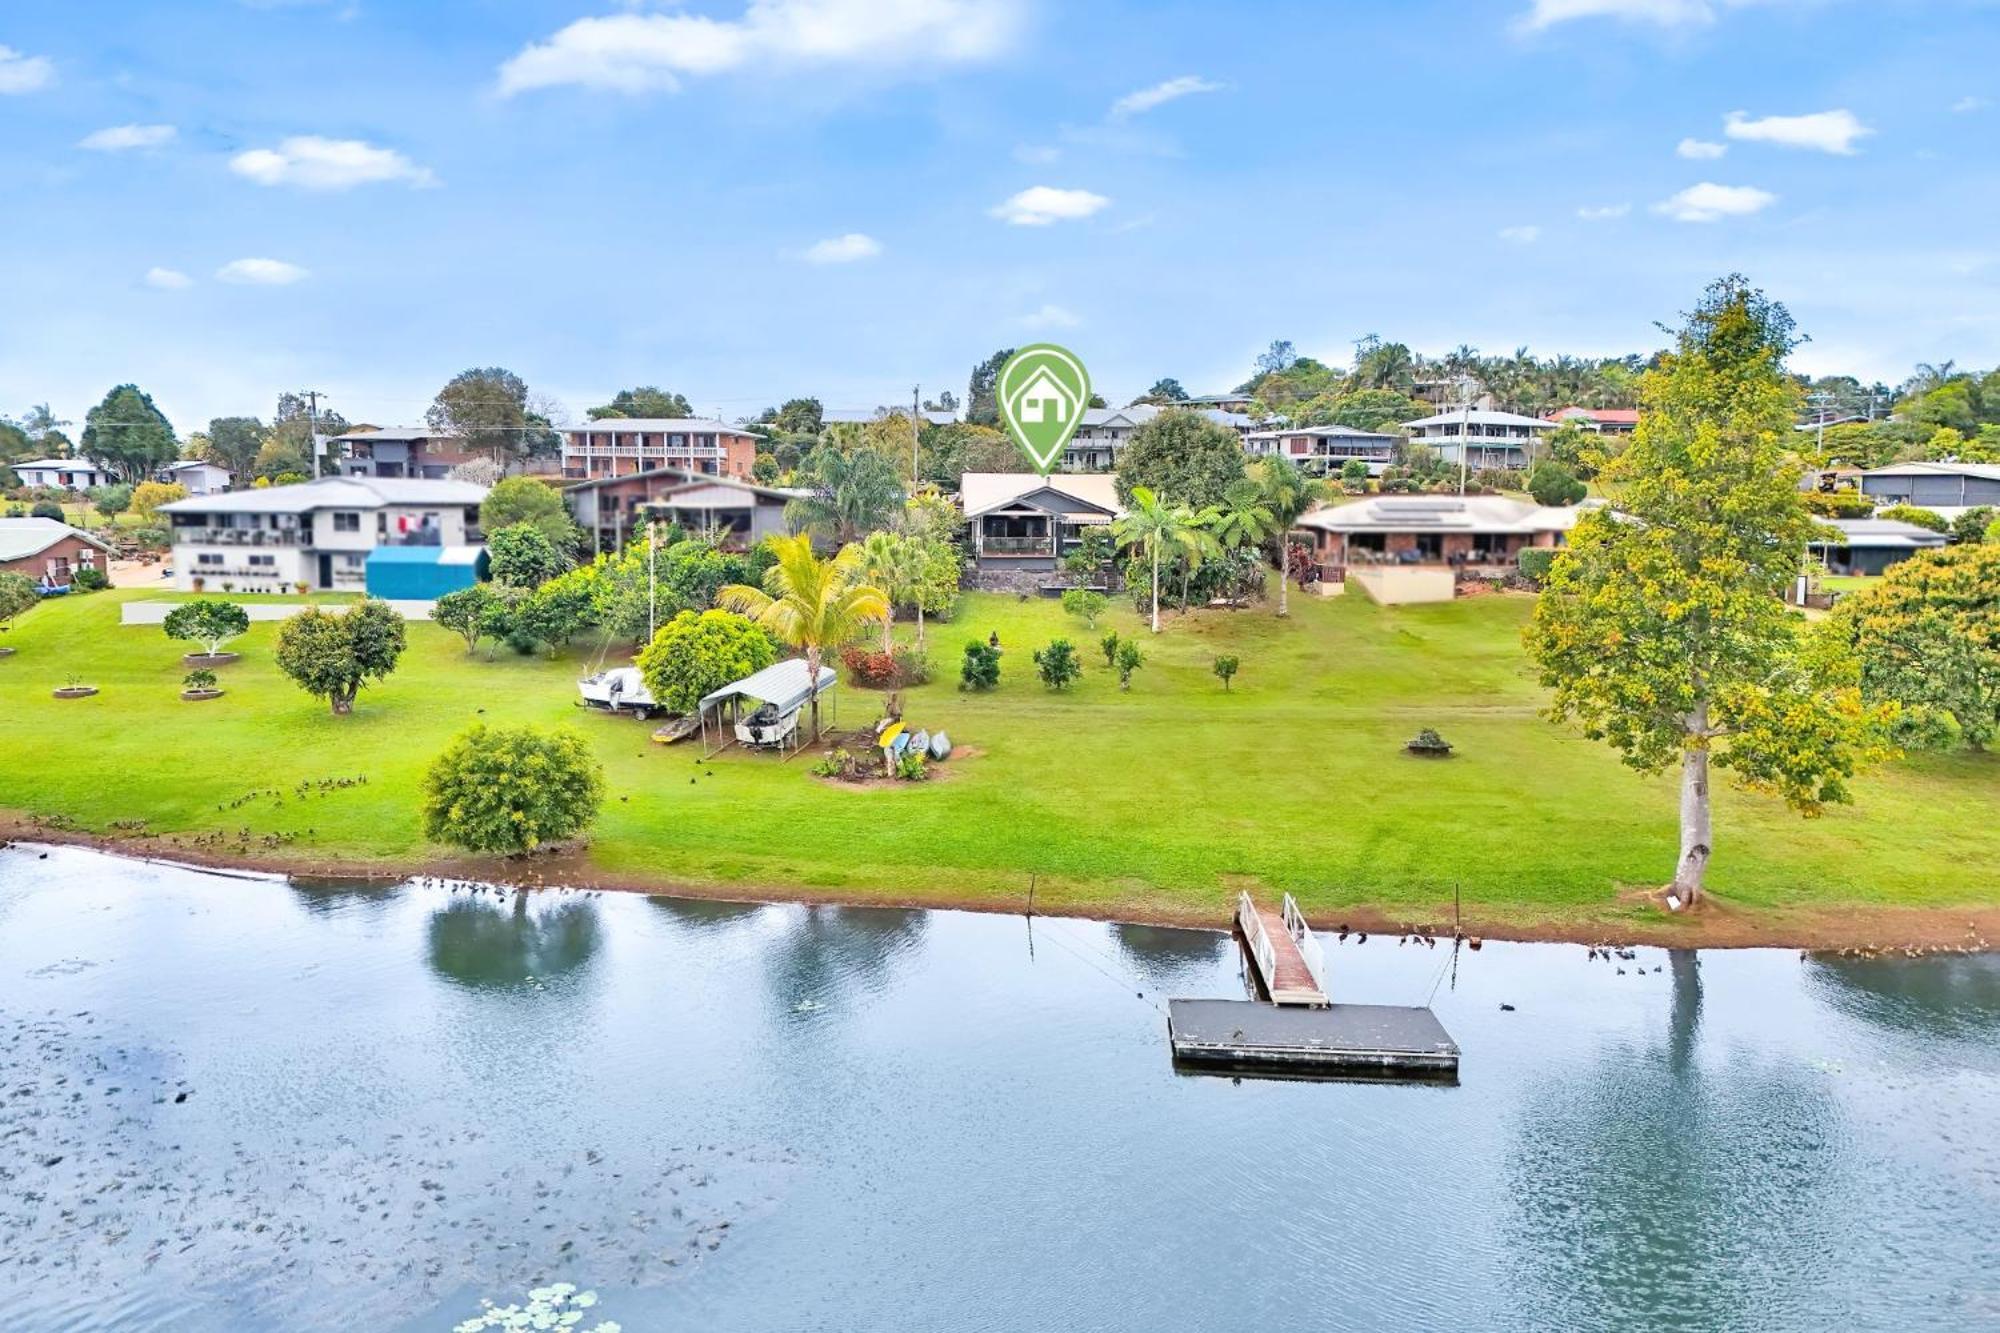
{"points": [[197, 696], [204, 660], [75, 691]]}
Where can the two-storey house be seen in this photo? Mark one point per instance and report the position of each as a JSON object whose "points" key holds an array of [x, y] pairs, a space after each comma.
{"points": [[627, 446]]}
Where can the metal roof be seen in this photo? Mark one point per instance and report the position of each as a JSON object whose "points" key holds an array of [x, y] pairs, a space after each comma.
{"points": [[651, 425], [332, 493], [1889, 532], [1443, 513], [1988, 471], [1480, 417], [23, 537], [426, 555], [982, 492], [64, 464], [395, 435], [1323, 433], [784, 685]]}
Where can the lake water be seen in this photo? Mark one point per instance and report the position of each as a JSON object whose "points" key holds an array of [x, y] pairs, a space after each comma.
{"points": [[241, 1103]]}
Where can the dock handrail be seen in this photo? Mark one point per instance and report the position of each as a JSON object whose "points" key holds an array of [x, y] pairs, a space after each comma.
{"points": [[1310, 948], [1261, 948]]}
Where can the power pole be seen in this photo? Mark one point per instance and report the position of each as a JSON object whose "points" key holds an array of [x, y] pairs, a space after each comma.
{"points": [[312, 397], [916, 434]]}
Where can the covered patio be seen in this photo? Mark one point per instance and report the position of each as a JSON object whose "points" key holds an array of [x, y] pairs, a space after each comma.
{"points": [[776, 696]]}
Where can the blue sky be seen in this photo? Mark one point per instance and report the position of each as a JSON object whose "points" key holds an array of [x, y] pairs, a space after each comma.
{"points": [[747, 201]]}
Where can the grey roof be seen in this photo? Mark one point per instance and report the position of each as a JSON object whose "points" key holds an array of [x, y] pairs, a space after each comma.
{"points": [[66, 464], [686, 474], [655, 425], [395, 435], [23, 537], [1889, 532], [1138, 414], [1324, 433], [333, 493], [1480, 417], [183, 464], [1989, 471], [1443, 513], [784, 685], [982, 492]]}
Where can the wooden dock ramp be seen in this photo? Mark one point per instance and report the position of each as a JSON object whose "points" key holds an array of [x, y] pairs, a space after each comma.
{"points": [[1284, 954]]}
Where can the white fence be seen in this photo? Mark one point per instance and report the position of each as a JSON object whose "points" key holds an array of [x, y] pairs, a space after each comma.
{"points": [[1310, 948]]}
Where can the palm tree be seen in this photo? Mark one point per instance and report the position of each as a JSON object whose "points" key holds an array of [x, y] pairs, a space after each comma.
{"points": [[1154, 527], [1203, 545], [882, 563], [913, 558], [1243, 518], [809, 603], [1288, 494]]}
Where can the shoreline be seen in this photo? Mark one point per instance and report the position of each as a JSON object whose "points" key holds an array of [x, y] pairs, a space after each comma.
{"points": [[1717, 925]]}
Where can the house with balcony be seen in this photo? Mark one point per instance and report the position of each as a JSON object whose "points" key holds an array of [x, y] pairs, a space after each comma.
{"points": [[318, 533], [1470, 532], [397, 451], [1022, 524], [1104, 431], [1323, 450], [1944, 488], [738, 514], [627, 446], [1479, 438]]}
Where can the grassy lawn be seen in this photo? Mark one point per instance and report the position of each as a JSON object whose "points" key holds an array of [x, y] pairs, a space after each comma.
{"points": [[1158, 802]]}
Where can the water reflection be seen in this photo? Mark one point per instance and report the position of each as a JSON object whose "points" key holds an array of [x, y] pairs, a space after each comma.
{"points": [[334, 895], [483, 941], [831, 953], [1649, 1191], [704, 915], [1956, 996], [1171, 957]]}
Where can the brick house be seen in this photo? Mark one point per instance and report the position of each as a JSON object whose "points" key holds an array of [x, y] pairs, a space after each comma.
{"points": [[627, 446], [1445, 530], [49, 552], [737, 512]]}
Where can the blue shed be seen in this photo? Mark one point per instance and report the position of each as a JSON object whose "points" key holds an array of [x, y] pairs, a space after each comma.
{"points": [[423, 573]]}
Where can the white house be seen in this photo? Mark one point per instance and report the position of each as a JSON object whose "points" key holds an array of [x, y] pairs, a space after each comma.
{"points": [[199, 476], [62, 474], [318, 533], [1324, 450], [1487, 439], [1104, 431]]}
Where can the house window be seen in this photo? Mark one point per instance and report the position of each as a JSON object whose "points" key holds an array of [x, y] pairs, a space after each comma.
{"points": [[208, 558], [347, 522], [263, 561]]}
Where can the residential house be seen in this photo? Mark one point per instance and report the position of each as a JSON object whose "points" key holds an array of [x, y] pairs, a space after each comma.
{"points": [[1104, 431], [1871, 545], [398, 451], [199, 476], [1022, 524], [1948, 488], [1234, 404], [1453, 531], [63, 474], [1603, 420], [740, 514], [627, 446], [317, 533], [1483, 438], [49, 552], [1323, 450]]}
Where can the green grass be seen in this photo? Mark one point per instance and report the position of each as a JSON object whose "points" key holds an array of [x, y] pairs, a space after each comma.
{"points": [[1159, 802]]}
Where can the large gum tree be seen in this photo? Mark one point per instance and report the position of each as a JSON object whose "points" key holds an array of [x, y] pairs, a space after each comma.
{"points": [[1661, 628]]}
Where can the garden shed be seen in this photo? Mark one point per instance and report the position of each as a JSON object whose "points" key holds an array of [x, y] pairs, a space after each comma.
{"points": [[423, 573]]}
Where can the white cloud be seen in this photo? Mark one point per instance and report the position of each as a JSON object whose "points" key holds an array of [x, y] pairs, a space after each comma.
{"points": [[1049, 317], [1662, 13], [1970, 103], [313, 163], [1822, 131], [843, 249], [1040, 205], [1603, 212], [1521, 235], [118, 138], [1699, 150], [1036, 154], [24, 73], [1708, 202], [637, 53], [260, 273], [168, 279], [1144, 100]]}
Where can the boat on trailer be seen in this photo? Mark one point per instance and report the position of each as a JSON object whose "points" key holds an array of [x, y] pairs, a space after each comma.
{"points": [[619, 690]]}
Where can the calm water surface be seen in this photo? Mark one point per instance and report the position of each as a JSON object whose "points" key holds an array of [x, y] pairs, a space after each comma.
{"points": [[237, 1103]]}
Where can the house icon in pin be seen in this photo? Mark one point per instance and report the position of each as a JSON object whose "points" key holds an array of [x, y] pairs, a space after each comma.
{"points": [[1043, 401]]}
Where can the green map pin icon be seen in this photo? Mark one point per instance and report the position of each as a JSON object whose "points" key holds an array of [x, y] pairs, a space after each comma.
{"points": [[1043, 391]]}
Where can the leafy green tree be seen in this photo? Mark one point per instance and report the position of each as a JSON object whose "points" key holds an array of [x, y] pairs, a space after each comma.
{"points": [[982, 404], [464, 612], [522, 556], [883, 564], [1109, 643], [1354, 472], [1183, 457], [1084, 604], [207, 621], [1665, 636], [1164, 391], [1156, 529], [1057, 664], [529, 500], [488, 410], [233, 443], [810, 604], [1225, 670], [1923, 518], [1970, 527], [981, 668], [697, 653], [113, 500], [1928, 636], [1094, 549], [850, 491], [17, 594], [1554, 485], [644, 402], [1290, 495], [333, 654], [556, 611], [1243, 518], [279, 456], [508, 790], [147, 497], [1130, 659], [1364, 409], [127, 435], [800, 416], [956, 448]]}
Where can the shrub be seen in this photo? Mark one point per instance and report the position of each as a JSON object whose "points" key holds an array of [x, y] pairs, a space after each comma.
{"points": [[333, 655], [875, 670], [1428, 741], [510, 789], [47, 509], [153, 539], [1535, 562], [523, 556], [836, 763], [698, 652], [17, 594], [1838, 504], [465, 613], [1109, 643], [1057, 664], [1354, 472], [1130, 659], [911, 767], [1084, 603], [116, 498], [89, 578], [208, 622], [1225, 670], [1555, 485], [1923, 518], [553, 614], [981, 668], [201, 679], [1971, 526], [148, 496]]}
